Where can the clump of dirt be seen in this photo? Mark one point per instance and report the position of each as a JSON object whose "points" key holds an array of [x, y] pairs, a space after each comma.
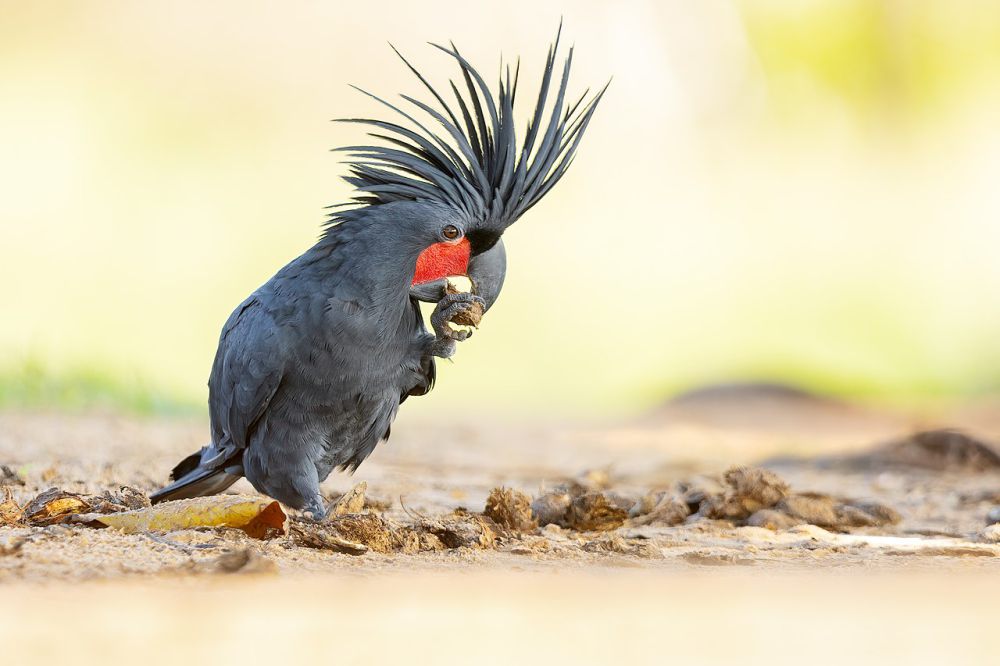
{"points": [[532, 545], [464, 530], [366, 528], [748, 490], [125, 498], [831, 513], [592, 512], [583, 503], [943, 450], [320, 536], [811, 508], [772, 520], [347, 528], [760, 498], [694, 491], [511, 509], [359, 533], [353, 534], [659, 508], [881, 514], [9, 477], [551, 507], [744, 496], [616, 544]]}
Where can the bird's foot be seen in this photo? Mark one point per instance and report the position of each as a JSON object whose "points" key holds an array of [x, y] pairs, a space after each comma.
{"points": [[316, 512], [448, 309]]}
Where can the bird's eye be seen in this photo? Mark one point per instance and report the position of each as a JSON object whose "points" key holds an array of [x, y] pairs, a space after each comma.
{"points": [[451, 232]]}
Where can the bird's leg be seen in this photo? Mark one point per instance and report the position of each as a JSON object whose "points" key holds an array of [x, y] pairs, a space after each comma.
{"points": [[447, 309]]}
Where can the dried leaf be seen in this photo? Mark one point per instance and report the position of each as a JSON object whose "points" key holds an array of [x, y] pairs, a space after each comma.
{"points": [[267, 524], [322, 537], [10, 511], [258, 517], [54, 506], [353, 501]]}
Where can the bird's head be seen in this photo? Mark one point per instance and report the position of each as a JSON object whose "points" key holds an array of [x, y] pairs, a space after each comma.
{"points": [[464, 186]]}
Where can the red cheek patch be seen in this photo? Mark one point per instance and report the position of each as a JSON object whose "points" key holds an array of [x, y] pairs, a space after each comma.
{"points": [[441, 260]]}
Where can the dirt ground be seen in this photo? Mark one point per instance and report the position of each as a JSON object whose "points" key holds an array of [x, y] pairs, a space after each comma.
{"points": [[762, 514]]}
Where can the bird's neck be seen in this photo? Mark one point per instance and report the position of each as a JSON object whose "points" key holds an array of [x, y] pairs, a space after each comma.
{"points": [[374, 257]]}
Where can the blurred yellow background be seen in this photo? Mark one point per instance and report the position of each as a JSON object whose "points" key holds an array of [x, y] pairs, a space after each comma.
{"points": [[803, 191]]}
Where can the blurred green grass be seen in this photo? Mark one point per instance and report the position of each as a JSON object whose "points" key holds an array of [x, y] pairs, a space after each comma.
{"points": [[31, 385]]}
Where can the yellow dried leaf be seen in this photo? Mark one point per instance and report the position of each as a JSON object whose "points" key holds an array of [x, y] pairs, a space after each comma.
{"points": [[255, 515], [53, 506], [10, 512]]}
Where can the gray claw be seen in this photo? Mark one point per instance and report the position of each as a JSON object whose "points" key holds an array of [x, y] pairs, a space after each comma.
{"points": [[447, 309]]}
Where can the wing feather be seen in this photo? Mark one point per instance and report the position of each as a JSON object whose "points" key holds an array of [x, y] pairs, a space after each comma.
{"points": [[247, 372]]}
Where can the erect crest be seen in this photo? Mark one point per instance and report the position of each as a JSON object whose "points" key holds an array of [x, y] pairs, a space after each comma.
{"points": [[478, 167]]}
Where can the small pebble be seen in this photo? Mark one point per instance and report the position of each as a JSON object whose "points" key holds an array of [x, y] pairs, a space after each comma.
{"points": [[993, 516], [58, 531]]}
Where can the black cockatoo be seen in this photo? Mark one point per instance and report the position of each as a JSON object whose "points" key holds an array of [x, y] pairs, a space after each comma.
{"points": [[312, 367]]}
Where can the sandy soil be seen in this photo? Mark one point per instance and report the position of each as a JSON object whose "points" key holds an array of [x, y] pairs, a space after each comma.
{"points": [[687, 576]]}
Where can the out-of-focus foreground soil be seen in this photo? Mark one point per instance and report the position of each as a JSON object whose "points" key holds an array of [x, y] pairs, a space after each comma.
{"points": [[759, 514]]}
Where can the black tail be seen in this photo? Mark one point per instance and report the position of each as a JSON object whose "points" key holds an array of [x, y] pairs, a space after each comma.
{"points": [[192, 480]]}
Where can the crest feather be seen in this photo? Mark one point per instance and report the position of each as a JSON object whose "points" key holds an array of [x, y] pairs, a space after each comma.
{"points": [[477, 166]]}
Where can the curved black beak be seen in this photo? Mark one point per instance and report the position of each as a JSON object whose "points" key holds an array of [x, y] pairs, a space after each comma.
{"points": [[487, 272]]}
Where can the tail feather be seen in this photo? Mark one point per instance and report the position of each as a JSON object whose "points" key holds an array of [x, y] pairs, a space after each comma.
{"points": [[185, 466], [192, 480]]}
